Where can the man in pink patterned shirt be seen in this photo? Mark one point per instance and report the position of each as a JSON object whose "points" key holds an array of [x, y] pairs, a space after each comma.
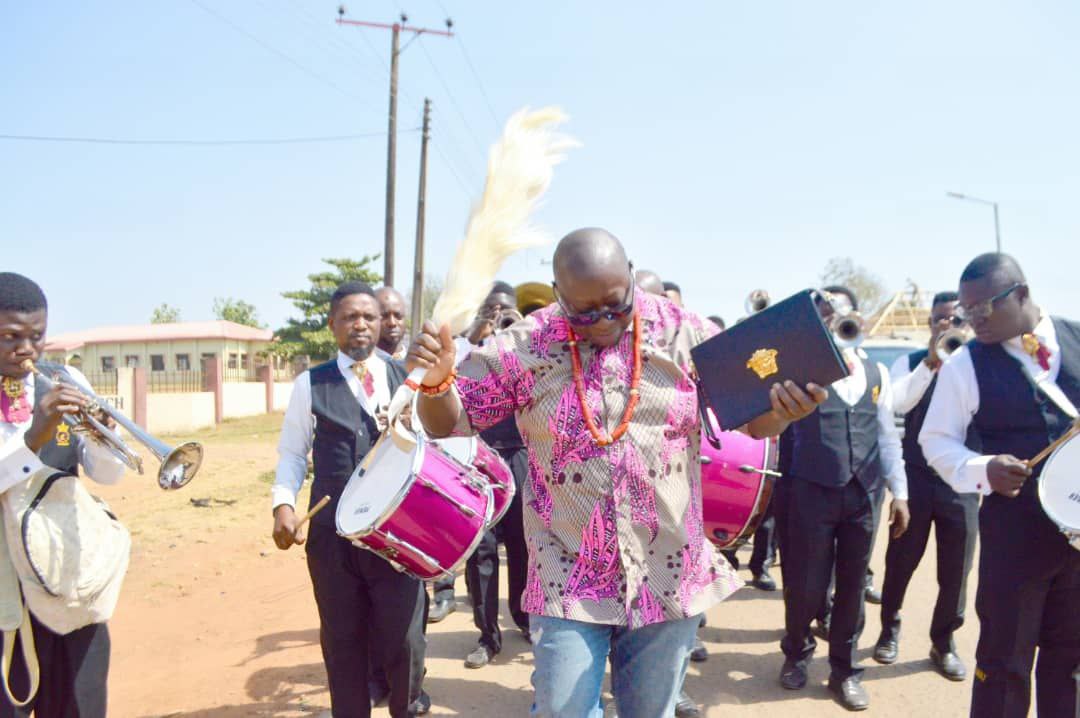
{"points": [[618, 559]]}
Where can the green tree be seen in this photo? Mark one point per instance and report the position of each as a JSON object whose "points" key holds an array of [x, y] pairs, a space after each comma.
{"points": [[309, 334], [868, 287], [164, 314], [236, 310]]}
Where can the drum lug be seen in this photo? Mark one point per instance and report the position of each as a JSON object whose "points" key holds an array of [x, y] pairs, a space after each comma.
{"points": [[409, 548], [466, 510]]}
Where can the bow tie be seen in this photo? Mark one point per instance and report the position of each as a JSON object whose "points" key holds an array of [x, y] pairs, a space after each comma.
{"points": [[1036, 350], [14, 406], [366, 381]]}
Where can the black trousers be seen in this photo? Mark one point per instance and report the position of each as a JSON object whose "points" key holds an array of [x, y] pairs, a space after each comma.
{"points": [[74, 671], [443, 588], [955, 519], [482, 568], [832, 526], [1028, 597], [366, 607]]}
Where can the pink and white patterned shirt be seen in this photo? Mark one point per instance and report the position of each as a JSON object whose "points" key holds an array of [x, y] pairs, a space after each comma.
{"points": [[615, 533]]}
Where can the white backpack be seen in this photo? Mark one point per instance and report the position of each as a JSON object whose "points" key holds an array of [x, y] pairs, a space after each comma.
{"points": [[68, 553]]}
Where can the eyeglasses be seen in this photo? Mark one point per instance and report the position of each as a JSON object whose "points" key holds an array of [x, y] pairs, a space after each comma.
{"points": [[983, 310], [591, 317]]}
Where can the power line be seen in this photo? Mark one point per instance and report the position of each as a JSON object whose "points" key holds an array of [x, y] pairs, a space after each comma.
{"points": [[453, 100], [270, 48], [472, 68], [200, 143]]}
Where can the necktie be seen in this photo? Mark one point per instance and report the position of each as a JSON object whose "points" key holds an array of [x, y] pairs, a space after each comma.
{"points": [[14, 406], [1037, 350], [366, 381]]}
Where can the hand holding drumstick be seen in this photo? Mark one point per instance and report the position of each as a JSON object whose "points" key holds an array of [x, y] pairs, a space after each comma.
{"points": [[288, 529]]}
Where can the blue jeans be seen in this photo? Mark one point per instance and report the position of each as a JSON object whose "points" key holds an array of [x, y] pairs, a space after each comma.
{"points": [[647, 667]]}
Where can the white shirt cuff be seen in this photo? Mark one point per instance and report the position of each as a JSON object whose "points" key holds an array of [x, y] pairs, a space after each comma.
{"points": [[280, 495], [972, 477], [18, 464]]}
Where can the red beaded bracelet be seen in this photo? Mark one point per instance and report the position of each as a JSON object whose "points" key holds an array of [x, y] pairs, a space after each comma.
{"points": [[433, 391]]}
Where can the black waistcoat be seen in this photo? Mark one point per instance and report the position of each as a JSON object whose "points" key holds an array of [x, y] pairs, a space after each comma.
{"points": [[838, 443], [1015, 417], [62, 450], [344, 432]]}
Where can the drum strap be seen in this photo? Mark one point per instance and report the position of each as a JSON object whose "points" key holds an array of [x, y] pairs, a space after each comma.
{"points": [[25, 632]]}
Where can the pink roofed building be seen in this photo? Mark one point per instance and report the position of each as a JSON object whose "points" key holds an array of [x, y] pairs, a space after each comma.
{"points": [[172, 347]]}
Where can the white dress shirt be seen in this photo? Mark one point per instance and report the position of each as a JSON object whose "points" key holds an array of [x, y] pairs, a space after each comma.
{"points": [[850, 390], [909, 387], [298, 430], [956, 401], [18, 462]]}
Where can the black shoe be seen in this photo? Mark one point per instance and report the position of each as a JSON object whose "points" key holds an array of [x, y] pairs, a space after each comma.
{"points": [[699, 654], [872, 595], [440, 609], [526, 634], [948, 664], [686, 707], [379, 690], [480, 657], [422, 705], [886, 650], [793, 675], [850, 693], [764, 582], [820, 629]]}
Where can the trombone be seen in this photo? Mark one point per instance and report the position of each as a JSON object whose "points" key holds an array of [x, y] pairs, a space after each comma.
{"points": [[178, 465]]}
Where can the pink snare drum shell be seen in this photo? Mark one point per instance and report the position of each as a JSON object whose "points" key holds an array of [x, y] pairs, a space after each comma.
{"points": [[473, 451], [1059, 490], [421, 510], [734, 500]]}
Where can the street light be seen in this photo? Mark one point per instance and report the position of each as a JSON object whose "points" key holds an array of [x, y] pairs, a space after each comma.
{"points": [[969, 198]]}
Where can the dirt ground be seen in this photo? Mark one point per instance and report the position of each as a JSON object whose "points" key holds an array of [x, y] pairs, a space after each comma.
{"points": [[216, 622]]}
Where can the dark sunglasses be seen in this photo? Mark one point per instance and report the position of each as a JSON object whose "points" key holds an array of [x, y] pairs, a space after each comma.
{"points": [[985, 308], [591, 317]]}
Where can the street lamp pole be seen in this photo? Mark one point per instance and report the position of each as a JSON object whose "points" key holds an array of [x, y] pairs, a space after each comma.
{"points": [[997, 224]]}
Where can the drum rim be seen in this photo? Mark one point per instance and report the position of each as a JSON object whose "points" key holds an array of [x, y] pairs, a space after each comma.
{"points": [[1070, 531], [399, 497]]}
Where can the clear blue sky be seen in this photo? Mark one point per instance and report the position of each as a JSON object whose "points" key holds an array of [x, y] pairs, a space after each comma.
{"points": [[730, 145]]}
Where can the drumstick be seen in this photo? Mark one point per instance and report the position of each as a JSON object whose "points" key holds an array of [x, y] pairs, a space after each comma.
{"points": [[1073, 431], [314, 510]]}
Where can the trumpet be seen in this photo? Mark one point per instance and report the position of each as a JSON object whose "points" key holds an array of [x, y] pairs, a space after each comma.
{"points": [[949, 341], [757, 301], [178, 465], [507, 318], [847, 329]]}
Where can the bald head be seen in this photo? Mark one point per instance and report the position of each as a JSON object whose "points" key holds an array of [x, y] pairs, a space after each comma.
{"points": [[585, 253], [392, 309], [389, 293], [592, 274], [649, 281]]}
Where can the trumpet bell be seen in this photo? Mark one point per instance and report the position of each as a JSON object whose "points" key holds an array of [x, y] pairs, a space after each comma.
{"points": [[758, 300], [848, 330], [180, 465], [950, 341]]}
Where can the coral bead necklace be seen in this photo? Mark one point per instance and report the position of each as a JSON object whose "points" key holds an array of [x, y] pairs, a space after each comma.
{"points": [[599, 435]]}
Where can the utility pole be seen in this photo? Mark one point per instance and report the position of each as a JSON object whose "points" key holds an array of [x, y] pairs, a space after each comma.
{"points": [[421, 200], [391, 140]]}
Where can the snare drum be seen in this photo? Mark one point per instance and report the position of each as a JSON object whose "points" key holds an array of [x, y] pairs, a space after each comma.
{"points": [[1059, 490], [734, 490], [416, 506], [474, 452]]}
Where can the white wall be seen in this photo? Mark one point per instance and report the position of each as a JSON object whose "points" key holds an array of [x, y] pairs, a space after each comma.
{"points": [[243, 398], [179, 413]]}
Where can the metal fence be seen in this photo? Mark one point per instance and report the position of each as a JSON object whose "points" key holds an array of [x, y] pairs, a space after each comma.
{"points": [[103, 382], [237, 375], [174, 382]]}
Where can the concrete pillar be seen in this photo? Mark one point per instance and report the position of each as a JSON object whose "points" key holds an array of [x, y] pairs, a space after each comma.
{"points": [[265, 374], [212, 378], [138, 395], [125, 388]]}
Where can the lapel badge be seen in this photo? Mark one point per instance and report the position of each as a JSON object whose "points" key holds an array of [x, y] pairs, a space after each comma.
{"points": [[63, 434], [763, 363], [875, 394]]}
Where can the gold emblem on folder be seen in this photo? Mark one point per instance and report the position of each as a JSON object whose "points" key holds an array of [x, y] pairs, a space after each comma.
{"points": [[763, 363]]}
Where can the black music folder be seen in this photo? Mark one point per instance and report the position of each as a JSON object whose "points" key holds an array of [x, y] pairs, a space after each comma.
{"points": [[787, 341]]}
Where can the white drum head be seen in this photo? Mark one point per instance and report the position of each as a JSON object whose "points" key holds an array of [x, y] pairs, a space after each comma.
{"points": [[462, 448], [375, 488], [1059, 487]]}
